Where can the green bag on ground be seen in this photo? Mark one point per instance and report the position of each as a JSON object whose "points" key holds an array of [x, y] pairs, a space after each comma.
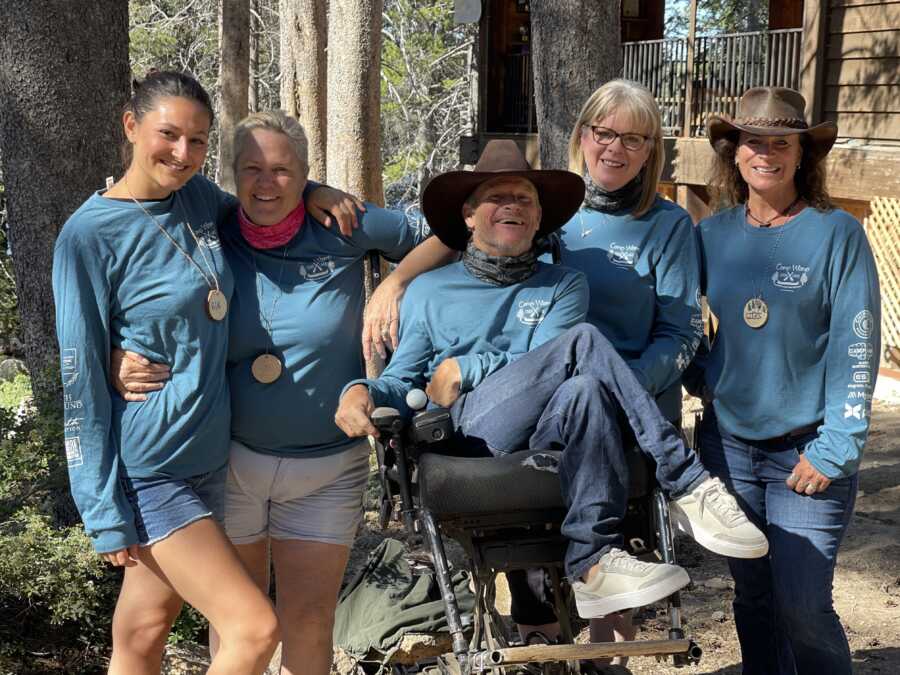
{"points": [[387, 599]]}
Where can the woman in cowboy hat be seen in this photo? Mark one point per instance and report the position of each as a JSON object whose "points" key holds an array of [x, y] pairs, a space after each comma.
{"points": [[789, 375]]}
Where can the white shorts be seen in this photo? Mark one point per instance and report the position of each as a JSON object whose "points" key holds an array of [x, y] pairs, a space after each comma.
{"points": [[310, 498]]}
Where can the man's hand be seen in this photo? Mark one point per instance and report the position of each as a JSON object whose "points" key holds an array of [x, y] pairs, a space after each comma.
{"points": [[354, 412], [325, 203], [124, 557], [444, 386], [132, 375], [806, 480]]}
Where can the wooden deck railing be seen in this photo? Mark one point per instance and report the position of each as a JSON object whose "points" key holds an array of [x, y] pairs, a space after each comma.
{"points": [[722, 68]]}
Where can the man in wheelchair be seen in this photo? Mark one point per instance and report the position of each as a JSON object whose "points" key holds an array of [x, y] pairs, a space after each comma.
{"points": [[498, 339]]}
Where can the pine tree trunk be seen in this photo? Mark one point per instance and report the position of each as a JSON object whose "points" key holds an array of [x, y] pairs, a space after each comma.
{"points": [[354, 92], [256, 28], [234, 79], [304, 36], [576, 47], [64, 78]]}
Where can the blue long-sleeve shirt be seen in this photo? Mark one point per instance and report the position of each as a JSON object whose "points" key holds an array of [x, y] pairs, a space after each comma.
{"points": [[117, 280], [816, 358], [448, 313], [312, 290], [644, 279]]}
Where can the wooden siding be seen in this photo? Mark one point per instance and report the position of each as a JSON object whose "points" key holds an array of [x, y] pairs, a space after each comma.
{"points": [[862, 69]]}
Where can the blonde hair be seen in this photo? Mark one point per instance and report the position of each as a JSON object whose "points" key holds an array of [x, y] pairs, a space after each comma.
{"points": [[273, 120], [636, 101]]}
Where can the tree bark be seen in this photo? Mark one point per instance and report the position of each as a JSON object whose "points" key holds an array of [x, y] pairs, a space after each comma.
{"points": [[304, 80], [234, 79], [354, 86], [255, 28], [64, 78], [576, 47]]}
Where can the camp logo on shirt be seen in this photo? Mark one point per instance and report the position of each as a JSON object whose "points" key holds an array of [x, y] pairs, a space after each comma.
{"points": [[532, 312], [622, 255], [317, 269], [790, 277], [208, 236]]}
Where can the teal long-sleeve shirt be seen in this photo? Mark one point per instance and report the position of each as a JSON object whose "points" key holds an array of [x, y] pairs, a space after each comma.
{"points": [[117, 280], [312, 291], [816, 358], [644, 280], [448, 313]]}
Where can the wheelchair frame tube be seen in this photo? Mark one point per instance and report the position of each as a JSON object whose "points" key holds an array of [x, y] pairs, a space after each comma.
{"points": [[454, 623]]}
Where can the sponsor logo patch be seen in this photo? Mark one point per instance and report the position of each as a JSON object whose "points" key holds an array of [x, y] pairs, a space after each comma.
{"points": [[74, 457], [864, 324], [861, 351], [622, 255], [790, 277], [317, 269], [208, 236]]}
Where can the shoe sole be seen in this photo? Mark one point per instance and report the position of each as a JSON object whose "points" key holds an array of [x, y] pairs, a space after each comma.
{"points": [[591, 609], [681, 523]]}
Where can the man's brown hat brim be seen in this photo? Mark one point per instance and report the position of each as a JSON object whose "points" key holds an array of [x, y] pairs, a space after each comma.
{"points": [[559, 192]]}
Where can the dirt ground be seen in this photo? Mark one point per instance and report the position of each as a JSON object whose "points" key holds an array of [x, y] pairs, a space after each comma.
{"points": [[866, 587]]}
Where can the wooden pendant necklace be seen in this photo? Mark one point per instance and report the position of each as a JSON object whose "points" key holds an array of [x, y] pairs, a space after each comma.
{"points": [[216, 302], [756, 311], [266, 368]]}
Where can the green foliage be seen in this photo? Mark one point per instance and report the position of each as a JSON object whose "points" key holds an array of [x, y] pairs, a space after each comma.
{"points": [[717, 17], [425, 97], [57, 594], [13, 393]]}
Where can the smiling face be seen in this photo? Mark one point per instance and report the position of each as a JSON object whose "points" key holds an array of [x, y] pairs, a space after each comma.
{"points": [[503, 215], [768, 163], [614, 166], [270, 178], [169, 146]]}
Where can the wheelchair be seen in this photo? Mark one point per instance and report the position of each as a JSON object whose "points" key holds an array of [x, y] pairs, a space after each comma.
{"points": [[506, 514]]}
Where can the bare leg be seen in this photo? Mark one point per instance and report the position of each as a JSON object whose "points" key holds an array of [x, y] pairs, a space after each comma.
{"points": [[203, 568], [308, 578], [255, 557], [146, 608], [613, 628]]}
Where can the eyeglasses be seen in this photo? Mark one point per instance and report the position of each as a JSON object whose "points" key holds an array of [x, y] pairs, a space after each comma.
{"points": [[604, 136]]}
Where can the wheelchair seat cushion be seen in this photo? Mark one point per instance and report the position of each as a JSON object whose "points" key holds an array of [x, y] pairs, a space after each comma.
{"points": [[521, 481]]}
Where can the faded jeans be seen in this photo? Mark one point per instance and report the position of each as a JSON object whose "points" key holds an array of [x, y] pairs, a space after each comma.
{"points": [[783, 607], [568, 395]]}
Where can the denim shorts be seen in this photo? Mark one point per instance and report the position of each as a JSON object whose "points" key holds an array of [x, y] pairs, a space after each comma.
{"points": [[163, 505]]}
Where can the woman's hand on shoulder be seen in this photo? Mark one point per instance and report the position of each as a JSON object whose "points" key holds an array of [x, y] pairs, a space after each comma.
{"points": [[327, 204], [133, 375], [381, 321]]}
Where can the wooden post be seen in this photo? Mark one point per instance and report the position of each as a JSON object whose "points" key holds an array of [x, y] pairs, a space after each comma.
{"points": [[689, 71], [690, 201], [812, 57], [234, 79]]}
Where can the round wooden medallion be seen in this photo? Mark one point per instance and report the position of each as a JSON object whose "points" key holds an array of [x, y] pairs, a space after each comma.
{"points": [[266, 368]]}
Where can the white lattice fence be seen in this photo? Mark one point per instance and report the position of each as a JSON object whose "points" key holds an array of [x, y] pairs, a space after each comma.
{"points": [[883, 228]]}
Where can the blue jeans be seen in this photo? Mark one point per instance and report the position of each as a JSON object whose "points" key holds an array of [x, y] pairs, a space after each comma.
{"points": [[783, 608], [569, 394]]}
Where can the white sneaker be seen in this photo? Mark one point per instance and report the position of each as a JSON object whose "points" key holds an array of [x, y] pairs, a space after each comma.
{"points": [[712, 517], [624, 582]]}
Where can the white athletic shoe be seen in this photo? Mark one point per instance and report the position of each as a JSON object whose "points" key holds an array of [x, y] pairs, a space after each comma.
{"points": [[712, 517], [624, 582]]}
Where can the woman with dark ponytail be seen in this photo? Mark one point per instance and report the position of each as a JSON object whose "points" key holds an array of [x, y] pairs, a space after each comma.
{"points": [[139, 266]]}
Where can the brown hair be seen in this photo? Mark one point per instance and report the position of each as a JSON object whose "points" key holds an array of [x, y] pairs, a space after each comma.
{"points": [[638, 103], [728, 188]]}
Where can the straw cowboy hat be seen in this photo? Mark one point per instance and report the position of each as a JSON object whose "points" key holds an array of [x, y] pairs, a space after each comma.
{"points": [[560, 192], [772, 111]]}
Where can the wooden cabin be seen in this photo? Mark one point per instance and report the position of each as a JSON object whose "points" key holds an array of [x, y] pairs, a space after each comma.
{"points": [[843, 55]]}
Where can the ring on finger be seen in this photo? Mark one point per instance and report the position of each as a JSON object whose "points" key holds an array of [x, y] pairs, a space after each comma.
{"points": [[792, 478], [810, 489]]}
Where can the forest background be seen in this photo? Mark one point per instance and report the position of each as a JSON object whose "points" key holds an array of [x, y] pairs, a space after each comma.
{"points": [[56, 596]]}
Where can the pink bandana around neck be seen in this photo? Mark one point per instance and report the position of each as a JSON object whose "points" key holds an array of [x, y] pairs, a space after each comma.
{"points": [[272, 236]]}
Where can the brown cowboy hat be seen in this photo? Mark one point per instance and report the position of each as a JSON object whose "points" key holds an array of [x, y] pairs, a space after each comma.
{"points": [[772, 111], [560, 192]]}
